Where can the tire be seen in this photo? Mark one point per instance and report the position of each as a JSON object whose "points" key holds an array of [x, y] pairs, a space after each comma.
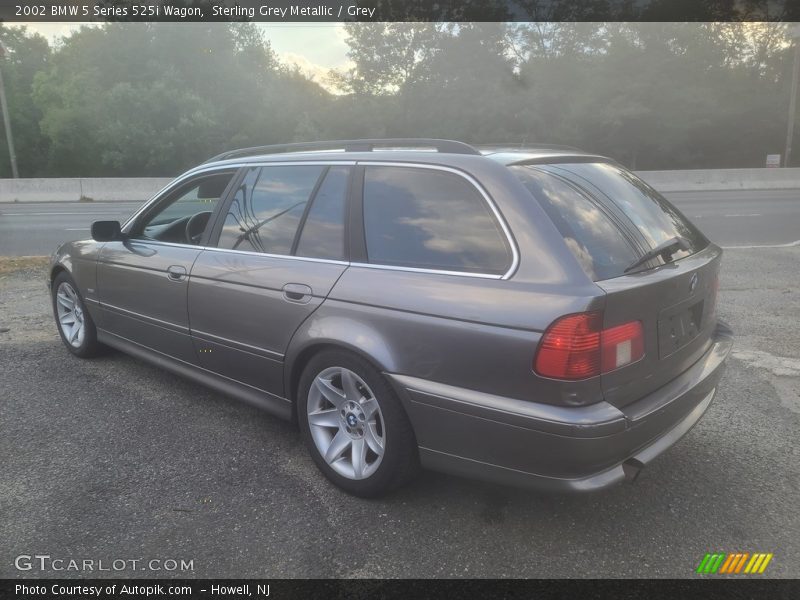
{"points": [[66, 300], [367, 420]]}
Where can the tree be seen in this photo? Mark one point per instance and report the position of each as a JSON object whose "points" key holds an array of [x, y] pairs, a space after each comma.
{"points": [[28, 53], [387, 56], [155, 98]]}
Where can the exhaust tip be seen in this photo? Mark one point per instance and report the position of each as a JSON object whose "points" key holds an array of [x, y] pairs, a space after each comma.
{"points": [[632, 467]]}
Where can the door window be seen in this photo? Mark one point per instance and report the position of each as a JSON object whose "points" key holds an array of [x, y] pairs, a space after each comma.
{"points": [[184, 213], [268, 207], [323, 231]]}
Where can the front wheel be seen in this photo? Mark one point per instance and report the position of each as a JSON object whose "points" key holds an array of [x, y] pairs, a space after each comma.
{"points": [[354, 426], [75, 325]]}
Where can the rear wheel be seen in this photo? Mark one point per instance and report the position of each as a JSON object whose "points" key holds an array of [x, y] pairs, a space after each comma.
{"points": [[75, 325], [354, 426]]}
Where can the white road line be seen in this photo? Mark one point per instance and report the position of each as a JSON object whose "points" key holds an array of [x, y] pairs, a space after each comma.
{"points": [[44, 214], [789, 245], [730, 215], [781, 366]]}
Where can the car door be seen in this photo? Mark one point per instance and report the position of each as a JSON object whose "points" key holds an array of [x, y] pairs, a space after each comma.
{"points": [[279, 247], [142, 279]]}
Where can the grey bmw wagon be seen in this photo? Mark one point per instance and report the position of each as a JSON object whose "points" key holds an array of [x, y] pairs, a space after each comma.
{"points": [[535, 316]]}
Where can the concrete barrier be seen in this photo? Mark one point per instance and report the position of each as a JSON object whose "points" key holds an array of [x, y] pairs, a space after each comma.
{"points": [[111, 189], [722, 179], [102, 189]]}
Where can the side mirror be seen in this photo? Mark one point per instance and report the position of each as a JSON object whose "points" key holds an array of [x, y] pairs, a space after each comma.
{"points": [[106, 231]]}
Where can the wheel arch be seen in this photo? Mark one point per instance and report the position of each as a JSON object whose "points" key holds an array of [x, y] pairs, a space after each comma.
{"points": [[333, 333], [61, 261], [56, 270]]}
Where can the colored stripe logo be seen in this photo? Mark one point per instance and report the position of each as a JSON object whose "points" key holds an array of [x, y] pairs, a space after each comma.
{"points": [[734, 563]]}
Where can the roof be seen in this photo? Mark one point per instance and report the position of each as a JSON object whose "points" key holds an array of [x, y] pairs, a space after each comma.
{"points": [[405, 150], [534, 156]]}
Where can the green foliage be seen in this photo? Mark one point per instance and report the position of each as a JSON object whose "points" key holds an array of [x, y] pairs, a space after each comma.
{"points": [[155, 98], [653, 95], [28, 54]]}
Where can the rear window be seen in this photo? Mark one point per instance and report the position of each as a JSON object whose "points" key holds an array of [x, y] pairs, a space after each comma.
{"points": [[644, 219], [430, 219], [595, 240], [655, 219]]}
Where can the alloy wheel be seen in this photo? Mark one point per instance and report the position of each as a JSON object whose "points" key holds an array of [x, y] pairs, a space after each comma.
{"points": [[346, 423], [70, 315]]}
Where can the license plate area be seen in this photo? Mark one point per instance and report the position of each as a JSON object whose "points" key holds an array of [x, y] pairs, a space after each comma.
{"points": [[678, 326]]}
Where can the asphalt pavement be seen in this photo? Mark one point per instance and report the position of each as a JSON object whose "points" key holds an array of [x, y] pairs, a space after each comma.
{"points": [[38, 228], [765, 217], [112, 459], [741, 218]]}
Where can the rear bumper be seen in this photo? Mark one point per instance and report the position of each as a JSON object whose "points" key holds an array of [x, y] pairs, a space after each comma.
{"points": [[557, 448]]}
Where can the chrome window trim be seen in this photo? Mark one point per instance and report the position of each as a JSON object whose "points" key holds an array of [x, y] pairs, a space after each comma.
{"points": [[329, 261], [247, 252], [486, 197], [430, 271], [238, 165]]}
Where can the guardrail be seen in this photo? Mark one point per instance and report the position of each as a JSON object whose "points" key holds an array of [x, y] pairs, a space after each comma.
{"points": [[116, 189]]}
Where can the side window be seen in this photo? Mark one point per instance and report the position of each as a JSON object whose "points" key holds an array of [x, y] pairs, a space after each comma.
{"points": [[431, 219], [267, 208], [323, 231], [183, 216]]}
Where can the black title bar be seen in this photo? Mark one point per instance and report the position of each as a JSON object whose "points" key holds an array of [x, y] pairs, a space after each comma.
{"points": [[398, 10], [400, 589]]}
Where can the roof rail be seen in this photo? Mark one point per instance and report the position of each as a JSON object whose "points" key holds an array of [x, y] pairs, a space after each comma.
{"points": [[527, 146], [449, 146]]}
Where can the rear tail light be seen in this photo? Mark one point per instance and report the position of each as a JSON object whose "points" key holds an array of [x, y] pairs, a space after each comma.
{"points": [[570, 348], [577, 347], [621, 345]]}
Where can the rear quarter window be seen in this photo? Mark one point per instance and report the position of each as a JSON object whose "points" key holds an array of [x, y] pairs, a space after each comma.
{"points": [[425, 218]]}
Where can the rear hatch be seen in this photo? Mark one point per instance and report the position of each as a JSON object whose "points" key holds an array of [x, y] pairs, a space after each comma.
{"points": [[610, 220]]}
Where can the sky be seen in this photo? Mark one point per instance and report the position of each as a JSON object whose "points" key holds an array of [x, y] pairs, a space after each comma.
{"points": [[314, 47]]}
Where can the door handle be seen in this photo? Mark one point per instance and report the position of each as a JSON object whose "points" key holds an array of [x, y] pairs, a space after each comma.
{"points": [[176, 273], [297, 292]]}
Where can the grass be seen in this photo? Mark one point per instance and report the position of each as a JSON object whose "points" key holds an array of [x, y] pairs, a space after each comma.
{"points": [[12, 264]]}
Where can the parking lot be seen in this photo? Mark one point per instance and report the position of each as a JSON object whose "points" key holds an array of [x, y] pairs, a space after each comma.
{"points": [[114, 459]]}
